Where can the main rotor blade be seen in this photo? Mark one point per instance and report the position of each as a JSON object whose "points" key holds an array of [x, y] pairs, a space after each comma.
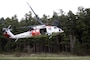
{"points": [[38, 19], [56, 23]]}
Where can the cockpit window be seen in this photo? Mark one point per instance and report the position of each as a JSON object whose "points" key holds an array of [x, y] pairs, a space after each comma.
{"points": [[59, 30], [55, 27]]}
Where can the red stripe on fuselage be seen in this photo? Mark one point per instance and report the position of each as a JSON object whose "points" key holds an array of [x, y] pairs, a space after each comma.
{"points": [[6, 35]]}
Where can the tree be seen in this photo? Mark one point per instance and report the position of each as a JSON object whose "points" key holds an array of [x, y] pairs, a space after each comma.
{"points": [[71, 29]]}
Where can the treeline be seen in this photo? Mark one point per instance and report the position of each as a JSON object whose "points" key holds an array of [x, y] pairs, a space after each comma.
{"points": [[75, 39]]}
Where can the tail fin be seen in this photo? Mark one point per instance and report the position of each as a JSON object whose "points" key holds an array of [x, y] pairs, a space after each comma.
{"points": [[8, 33]]}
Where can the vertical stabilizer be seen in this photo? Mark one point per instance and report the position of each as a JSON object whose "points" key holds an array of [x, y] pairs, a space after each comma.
{"points": [[8, 33]]}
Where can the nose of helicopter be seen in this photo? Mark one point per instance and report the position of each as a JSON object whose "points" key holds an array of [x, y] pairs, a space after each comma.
{"points": [[60, 30]]}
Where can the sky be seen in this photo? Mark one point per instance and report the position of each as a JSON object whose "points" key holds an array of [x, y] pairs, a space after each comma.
{"points": [[9, 8]]}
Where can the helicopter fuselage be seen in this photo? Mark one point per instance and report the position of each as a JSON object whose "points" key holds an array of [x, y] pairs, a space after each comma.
{"points": [[36, 31]]}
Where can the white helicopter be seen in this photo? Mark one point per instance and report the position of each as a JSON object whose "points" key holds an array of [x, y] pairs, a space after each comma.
{"points": [[33, 31]]}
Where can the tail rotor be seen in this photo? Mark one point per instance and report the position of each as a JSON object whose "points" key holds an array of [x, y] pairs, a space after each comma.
{"points": [[6, 29]]}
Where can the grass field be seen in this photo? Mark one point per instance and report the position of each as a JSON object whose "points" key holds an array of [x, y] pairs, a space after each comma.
{"points": [[43, 57]]}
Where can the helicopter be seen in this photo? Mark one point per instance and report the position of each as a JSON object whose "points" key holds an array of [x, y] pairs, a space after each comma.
{"points": [[37, 30]]}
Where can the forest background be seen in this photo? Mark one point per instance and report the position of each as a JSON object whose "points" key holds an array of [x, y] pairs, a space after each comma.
{"points": [[74, 40]]}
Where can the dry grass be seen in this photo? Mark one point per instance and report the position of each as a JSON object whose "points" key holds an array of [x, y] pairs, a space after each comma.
{"points": [[42, 57]]}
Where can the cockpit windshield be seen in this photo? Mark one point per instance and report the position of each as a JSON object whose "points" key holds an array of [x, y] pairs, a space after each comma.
{"points": [[55, 27]]}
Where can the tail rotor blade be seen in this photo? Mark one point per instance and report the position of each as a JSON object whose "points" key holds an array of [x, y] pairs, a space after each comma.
{"points": [[9, 27]]}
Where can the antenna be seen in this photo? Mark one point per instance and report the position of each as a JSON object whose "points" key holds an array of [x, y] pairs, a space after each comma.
{"points": [[38, 19]]}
